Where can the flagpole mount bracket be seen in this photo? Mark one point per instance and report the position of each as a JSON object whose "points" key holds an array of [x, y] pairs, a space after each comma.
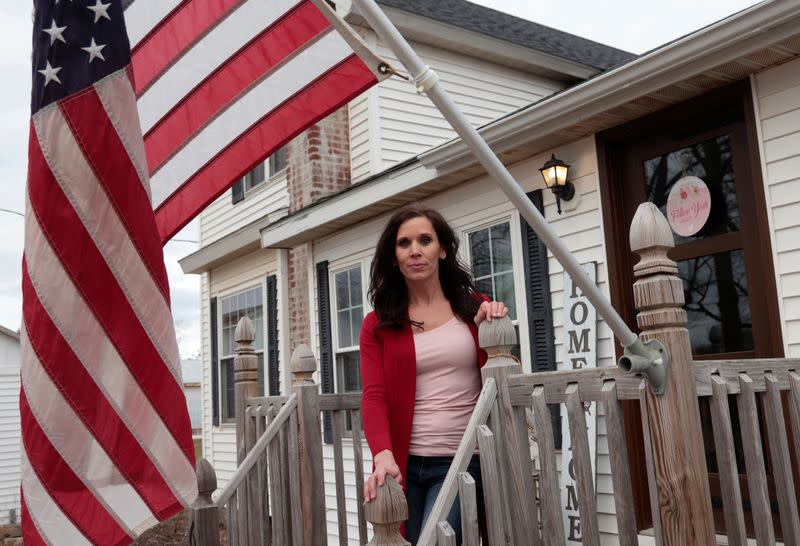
{"points": [[425, 80], [648, 358]]}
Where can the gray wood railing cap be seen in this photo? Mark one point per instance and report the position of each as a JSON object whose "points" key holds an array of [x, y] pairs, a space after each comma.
{"points": [[206, 478], [497, 336], [303, 360], [651, 238]]}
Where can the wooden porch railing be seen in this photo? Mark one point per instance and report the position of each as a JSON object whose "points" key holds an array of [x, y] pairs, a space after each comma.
{"points": [[277, 494]]}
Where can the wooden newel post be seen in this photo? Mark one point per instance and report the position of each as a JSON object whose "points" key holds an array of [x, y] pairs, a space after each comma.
{"points": [[386, 513], [205, 514], [245, 379], [682, 503], [509, 426], [312, 483]]}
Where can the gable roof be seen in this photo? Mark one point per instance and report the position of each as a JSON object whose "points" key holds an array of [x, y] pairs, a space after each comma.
{"points": [[516, 30]]}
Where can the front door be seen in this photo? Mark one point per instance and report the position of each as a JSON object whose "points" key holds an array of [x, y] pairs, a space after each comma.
{"points": [[725, 262]]}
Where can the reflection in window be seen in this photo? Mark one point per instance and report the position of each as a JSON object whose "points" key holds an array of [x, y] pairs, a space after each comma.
{"points": [[349, 313], [490, 254], [263, 171], [712, 162], [248, 303], [715, 288]]}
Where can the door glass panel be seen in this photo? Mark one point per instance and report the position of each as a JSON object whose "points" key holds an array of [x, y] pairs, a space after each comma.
{"points": [[718, 309], [711, 161]]}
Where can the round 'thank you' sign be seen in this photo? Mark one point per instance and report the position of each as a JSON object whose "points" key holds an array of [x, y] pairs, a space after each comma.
{"points": [[688, 206]]}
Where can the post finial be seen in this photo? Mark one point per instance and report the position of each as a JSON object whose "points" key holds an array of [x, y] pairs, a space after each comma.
{"points": [[206, 479], [386, 512], [651, 238], [304, 364], [498, 336], [245, 334]]}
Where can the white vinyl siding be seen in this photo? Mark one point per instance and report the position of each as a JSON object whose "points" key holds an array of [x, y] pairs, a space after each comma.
{"points": [[10, 430], [221, 217], [778, 107], [392, 122]]}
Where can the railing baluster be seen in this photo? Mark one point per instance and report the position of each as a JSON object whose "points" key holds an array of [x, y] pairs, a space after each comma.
{"points": [[338, 465], [283, 455], [294, 482], [233, 535], [467, 496], [620, 469], [445, 534], [581, 458], [263, 481], [358, 460], [754, 460], [781, 461], [252, 510], [492, 494], [552, 522], [278, 533], [794, 405]]}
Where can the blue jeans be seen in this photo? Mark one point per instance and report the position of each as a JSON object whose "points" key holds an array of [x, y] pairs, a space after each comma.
{"points": [[424, 479]]}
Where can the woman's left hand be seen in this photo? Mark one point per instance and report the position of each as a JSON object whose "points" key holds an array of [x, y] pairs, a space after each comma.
{"points": [[490, 310]]}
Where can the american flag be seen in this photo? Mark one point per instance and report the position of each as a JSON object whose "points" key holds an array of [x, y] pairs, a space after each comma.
{"points": [[221, 84], [107, 447]]}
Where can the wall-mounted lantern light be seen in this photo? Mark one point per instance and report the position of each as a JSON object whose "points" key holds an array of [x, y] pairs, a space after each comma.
{"points": [[555, 173]]}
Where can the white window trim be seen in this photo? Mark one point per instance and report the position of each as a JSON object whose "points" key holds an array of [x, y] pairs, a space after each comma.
{"points": [[221, 296], [517, 268], [342, 266], [270, 179]]}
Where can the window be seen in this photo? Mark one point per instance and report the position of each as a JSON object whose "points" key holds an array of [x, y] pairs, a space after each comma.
{"points": [[348, 314], [264, 171], [493, 267], [248, 303]]}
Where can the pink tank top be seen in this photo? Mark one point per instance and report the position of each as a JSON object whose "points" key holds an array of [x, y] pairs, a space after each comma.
{"points": [[448, 386]]}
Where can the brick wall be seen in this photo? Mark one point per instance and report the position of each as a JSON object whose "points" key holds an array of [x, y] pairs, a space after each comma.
{"points": [[318, 161], [317, 165], [299, 311]]}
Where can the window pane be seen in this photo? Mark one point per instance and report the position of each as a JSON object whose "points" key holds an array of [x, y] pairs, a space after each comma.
{"points": [[348, 377], [504, 283], [501, 248], [484, 286], [355, 287], [479, 253], [356, 317], [248, 303], [342, 290], [717, 304], [344, 325], [255, 177], [228, 405], [710, 161], [277, 161]]}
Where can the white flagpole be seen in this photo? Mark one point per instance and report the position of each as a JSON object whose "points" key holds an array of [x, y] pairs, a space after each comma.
{"points": [[427, 82]]}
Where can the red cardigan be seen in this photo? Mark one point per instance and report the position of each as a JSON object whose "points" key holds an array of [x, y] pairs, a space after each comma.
{"points": [[389, 381]]}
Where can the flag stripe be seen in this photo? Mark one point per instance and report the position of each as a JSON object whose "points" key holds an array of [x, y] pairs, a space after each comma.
{"points": [[58, 295], [269, 133], [173, 36], [95, 281], [116, 94], [64, 487], [236, 75], [29, 530], [53, 355], [78, 182], [143, 18], [82, 451], [218, 45], [113, 168]]}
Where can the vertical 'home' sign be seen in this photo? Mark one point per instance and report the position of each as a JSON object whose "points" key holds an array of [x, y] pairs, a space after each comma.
{"points": [[580, 351]]}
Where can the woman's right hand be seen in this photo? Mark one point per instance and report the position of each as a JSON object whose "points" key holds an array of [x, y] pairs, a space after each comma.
{"points": [[385, 465]]}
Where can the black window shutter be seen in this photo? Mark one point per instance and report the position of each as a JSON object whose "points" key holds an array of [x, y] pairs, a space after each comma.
{"points": [[214, 364], [325, 342], [540, 311], [237, 191], [273, 373]]}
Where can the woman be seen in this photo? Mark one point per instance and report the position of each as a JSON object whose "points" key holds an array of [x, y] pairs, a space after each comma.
{"points": [[420, 360]]}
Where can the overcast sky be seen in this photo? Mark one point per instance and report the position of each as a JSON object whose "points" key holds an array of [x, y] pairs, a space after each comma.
{"points": [[633, 25]]}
